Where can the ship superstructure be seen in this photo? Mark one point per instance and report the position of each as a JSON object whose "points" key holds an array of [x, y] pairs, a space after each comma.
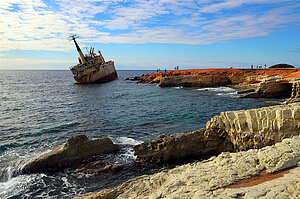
{"points": [[92, 68]]}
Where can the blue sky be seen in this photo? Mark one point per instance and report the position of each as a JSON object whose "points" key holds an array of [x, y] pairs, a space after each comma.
{"points": [[150, 34]]}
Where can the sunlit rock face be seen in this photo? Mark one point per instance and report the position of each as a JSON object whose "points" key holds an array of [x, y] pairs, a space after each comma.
{"points": [[295, 95], [257, 128]]}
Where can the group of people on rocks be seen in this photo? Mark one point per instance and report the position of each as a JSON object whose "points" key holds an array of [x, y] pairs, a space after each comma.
{"points": [[176, 68], [259, 66], [158, 70]]}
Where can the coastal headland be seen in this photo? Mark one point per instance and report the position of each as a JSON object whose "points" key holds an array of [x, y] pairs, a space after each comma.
{"points": [[252, 83], [216, 77]]}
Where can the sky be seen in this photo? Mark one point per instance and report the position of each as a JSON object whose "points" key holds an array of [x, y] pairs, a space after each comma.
{"points": [[150, 34]]}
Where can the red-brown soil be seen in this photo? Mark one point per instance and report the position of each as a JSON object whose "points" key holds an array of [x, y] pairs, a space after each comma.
{"points": [[258, 179]]}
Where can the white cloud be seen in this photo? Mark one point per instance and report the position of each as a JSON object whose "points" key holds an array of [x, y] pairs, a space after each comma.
{"points": [[35, 25], [23, 63], [229, 4]]}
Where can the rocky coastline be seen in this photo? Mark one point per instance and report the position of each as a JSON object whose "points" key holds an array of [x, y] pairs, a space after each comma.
{"points": [[257, 155], [240, 154], [212, 178]]}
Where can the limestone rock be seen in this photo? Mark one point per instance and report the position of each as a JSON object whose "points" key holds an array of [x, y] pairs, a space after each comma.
{"points": [[182, 146], [209, 178], [295, 96], [283, 155], [257, 128], [76, 148]]}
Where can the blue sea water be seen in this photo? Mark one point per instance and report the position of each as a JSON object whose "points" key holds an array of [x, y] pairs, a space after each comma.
{"points": [[41, 109]]}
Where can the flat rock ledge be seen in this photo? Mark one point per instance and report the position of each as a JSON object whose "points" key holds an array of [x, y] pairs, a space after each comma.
{"points": [[210, 178], [69, 154]]}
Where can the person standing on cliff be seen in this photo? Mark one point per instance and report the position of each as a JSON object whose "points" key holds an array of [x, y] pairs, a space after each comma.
{"points": [[252, 66]]}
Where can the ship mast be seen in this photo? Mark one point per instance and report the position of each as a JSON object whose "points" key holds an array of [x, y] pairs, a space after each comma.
{"points": [[81, 56]]}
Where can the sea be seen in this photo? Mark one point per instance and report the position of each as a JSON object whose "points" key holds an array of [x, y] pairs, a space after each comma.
{"points": [[41, 109]]}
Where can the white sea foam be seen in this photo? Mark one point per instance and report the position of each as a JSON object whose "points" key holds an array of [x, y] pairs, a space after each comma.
{"points": [[228, 94], [126, 140], [178, 87], [220, 90], [217, 89], [14, 185], [127, 157]]}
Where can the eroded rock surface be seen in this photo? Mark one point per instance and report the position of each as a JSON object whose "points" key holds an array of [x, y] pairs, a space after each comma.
{"points": [[209, 178], [76, 148], [256, 128]]}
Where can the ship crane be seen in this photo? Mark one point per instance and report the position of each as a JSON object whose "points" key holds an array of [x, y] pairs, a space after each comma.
{"points": [[81, 56]]}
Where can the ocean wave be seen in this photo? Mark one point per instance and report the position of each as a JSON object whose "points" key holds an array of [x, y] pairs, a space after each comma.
{"points": [[221, 91], [14, 186], [52, 129], [218, 89], [232, 94]]}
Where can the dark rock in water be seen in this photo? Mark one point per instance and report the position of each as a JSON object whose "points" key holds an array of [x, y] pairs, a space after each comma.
{"points": [[69, 154], [136, 78], [103, 169]]}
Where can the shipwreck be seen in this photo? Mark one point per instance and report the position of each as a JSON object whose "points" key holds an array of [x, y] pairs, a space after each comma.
{"points": [[92, 68]]}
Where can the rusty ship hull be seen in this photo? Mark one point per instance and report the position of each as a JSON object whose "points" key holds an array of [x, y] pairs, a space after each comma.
{"points": [[92, 68], [96, 74]]}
